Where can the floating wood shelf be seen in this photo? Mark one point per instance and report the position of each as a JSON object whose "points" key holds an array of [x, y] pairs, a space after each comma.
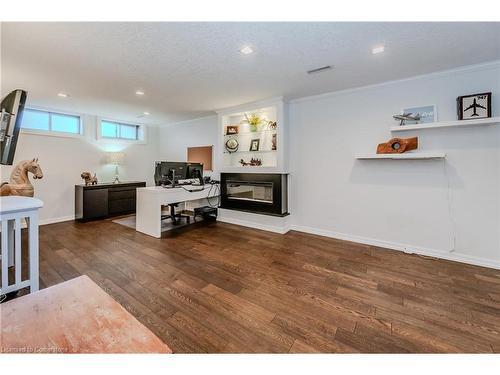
{"points": [[405, 156], [448, 124]]}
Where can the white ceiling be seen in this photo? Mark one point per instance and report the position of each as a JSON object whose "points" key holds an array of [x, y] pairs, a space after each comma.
{"points": [[188, 70]]}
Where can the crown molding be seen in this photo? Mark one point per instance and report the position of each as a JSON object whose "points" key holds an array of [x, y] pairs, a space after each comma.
{"points": [[443, 73]]}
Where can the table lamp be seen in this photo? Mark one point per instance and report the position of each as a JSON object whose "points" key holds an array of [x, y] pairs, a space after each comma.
{"points": [[115, 158]]}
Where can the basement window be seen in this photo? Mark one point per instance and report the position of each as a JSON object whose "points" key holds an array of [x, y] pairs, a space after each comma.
{"points": [[118, 130], [44, 121]]}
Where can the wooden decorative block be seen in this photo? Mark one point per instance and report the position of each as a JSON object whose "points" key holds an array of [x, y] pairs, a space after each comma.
{"points": [[398, 145]]}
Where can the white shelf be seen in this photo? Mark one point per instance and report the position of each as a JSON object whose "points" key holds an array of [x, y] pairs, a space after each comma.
{"points": [[404, 156], [447, 124], [272, 131], [250, 152]]}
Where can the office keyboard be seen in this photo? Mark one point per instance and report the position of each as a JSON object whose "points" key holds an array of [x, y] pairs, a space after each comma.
{"points": [[189, 181]]}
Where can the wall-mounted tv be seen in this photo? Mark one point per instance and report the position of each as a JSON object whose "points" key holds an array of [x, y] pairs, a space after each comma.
{"points": [[11, 116]]}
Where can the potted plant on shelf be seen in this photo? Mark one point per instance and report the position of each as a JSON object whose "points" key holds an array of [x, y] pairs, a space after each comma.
{"points": [[254, 120]]}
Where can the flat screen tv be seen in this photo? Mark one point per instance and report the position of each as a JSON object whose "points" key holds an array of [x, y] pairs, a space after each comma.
{"points": [[12, 108]]}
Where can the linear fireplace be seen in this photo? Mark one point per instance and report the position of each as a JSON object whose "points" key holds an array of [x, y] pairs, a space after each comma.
{"points": [[262, 193]]}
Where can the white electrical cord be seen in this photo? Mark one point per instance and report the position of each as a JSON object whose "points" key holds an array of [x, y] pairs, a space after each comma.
{"points": [[217, 188], [450, 208]]}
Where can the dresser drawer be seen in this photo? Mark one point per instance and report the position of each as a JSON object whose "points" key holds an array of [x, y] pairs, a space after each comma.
{"points": [[121, 206], [115, 194], [96, 203]]}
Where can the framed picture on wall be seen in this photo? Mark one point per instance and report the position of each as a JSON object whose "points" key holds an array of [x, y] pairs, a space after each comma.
{"points": [[201, 154], [474, 106], [254, 145]]}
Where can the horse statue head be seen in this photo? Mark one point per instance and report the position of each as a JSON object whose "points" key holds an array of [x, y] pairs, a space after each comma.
{"points": [[19, 183], [33, 167]]}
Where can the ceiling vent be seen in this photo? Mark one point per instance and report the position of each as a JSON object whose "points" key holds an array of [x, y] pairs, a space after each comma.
{"points": [[319, 70]]}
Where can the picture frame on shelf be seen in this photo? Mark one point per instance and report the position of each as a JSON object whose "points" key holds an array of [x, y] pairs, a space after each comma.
{"points": [[232, 129], [254, 144], [475, 106], [426, 114]]}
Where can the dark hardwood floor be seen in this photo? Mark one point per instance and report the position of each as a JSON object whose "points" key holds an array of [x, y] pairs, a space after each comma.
{"points": [[225, 288]]}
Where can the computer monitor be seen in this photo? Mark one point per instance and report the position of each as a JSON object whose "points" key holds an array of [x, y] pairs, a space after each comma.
{"points": [[169, 172], [195, 170]]}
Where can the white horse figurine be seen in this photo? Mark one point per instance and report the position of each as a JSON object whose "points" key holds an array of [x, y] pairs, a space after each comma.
{"points": [[19, 183]]}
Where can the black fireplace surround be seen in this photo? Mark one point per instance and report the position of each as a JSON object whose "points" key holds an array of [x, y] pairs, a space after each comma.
{"points": [[260, 193]]}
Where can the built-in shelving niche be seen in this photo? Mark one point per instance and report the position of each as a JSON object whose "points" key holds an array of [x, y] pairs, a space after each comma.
{"points": [[404, 156], [271, 137]]}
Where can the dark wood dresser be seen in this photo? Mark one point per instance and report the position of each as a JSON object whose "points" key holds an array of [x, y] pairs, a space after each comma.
{"points": [[105, 200]]}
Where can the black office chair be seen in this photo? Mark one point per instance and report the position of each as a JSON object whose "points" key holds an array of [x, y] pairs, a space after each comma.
{"points": [[175, 217]]}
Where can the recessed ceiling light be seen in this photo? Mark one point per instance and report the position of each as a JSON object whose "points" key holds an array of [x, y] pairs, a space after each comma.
{"points": [[146, 113], [62, 95], [378, 49], [139, 92], [246, 50]]}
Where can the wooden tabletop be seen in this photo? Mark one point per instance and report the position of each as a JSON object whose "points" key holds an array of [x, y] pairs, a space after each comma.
{"points": [[73, 317]]}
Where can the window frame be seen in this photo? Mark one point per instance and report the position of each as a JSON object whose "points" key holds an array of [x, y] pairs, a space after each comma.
{"points": [[140, 132], [50, 132]]}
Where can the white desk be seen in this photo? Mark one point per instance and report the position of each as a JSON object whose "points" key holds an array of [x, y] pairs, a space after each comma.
{"points": [[12, 210], [150, 200]]}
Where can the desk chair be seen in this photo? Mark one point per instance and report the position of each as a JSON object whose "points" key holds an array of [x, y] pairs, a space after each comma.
{"points": [[175, 217]]}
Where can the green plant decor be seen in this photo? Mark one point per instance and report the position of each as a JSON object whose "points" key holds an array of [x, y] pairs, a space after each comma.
{"points": [[254, 121]]}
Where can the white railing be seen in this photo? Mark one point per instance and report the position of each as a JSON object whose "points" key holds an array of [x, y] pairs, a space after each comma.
{"points": [[12, 210]]}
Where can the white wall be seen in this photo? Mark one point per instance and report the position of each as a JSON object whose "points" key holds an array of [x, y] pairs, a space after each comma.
{"points": [[62, 160], [449, 209], [174, 139]]}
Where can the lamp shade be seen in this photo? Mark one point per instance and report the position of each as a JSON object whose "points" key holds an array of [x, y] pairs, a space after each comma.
{"points": [[115, 158]]}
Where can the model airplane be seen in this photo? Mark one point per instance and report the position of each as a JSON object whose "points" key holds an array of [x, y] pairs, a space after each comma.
{"points": [[406, 117], [474, 106]]}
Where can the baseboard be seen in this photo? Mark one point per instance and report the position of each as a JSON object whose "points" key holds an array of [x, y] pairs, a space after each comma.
{"points": [[56, 220], [49, 221], [409, 249], [251, 224], [256, 224]]}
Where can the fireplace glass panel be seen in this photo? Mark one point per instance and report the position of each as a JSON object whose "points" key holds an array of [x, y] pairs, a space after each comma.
{"points": [[261, 192]]}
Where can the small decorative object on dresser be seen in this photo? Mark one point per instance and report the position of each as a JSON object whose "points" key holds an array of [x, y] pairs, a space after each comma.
{"points": [[116, 159], [19, 183], [254, 162], [232, 129], [398, 145], [254, 145], [474, 106], [89, 179], [232, 145], [273, 143]]}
